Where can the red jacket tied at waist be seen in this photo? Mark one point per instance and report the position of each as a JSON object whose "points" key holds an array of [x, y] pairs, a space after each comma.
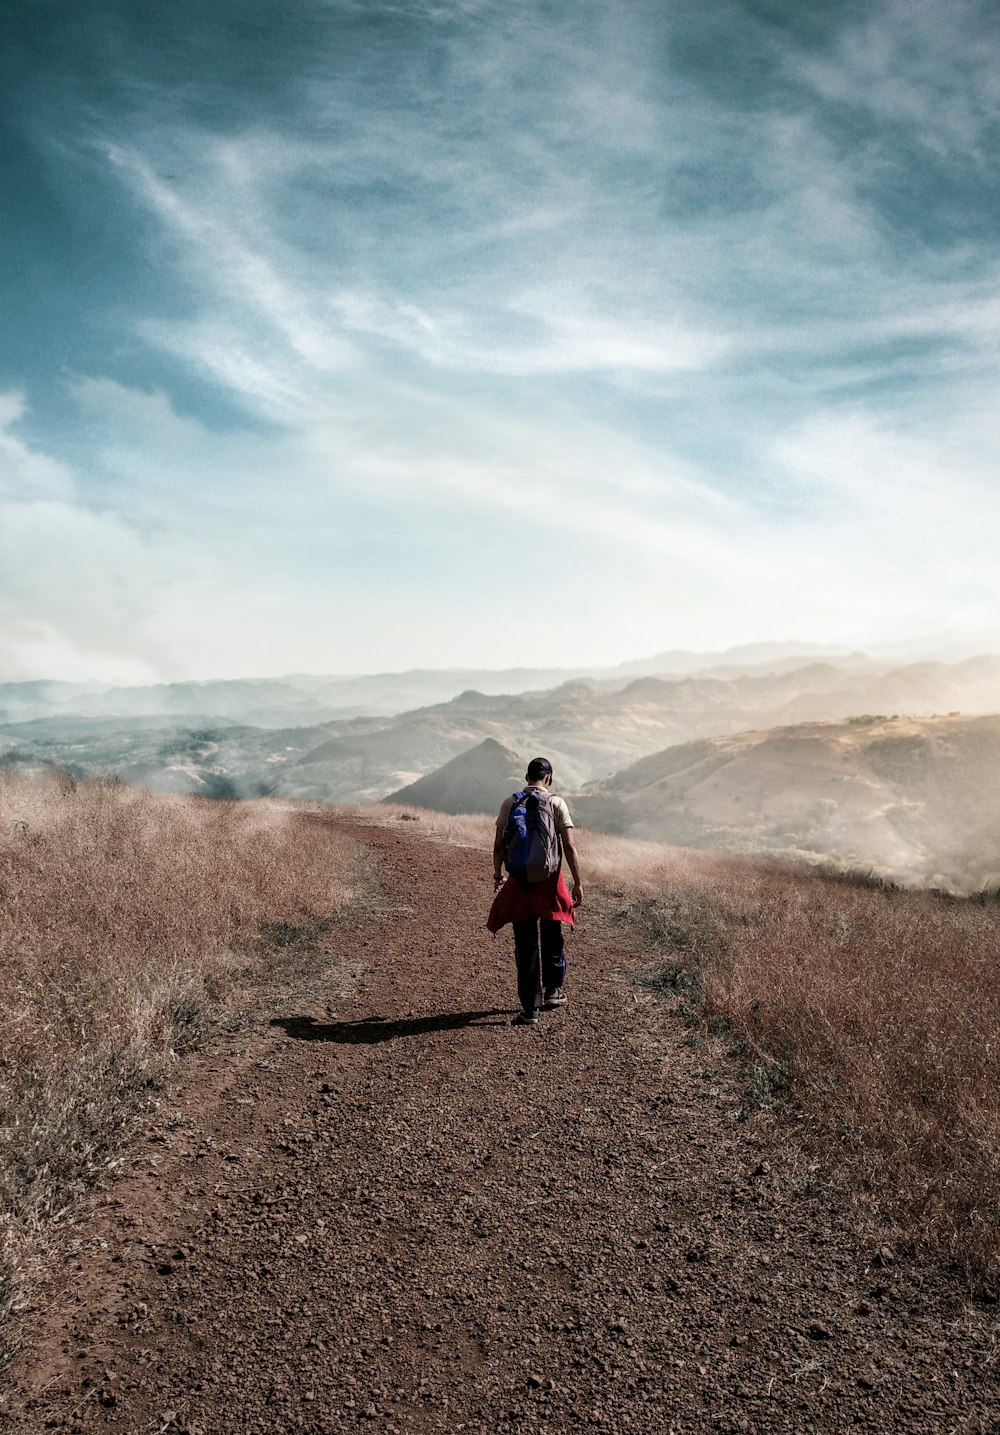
{"points": [[548, 899]]}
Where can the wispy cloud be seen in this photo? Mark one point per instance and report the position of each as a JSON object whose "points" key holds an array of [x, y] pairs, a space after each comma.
{"points": [[928, 68], [558, 229], [24, 473], [707, 296], [263, 333], [552, 331]]}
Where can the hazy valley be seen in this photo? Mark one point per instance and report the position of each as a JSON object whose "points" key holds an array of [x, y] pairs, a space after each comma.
{"points": [[914, 797], [842, 757]]}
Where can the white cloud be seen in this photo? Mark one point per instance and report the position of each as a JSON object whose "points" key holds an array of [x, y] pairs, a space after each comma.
{"points": [[76, 582], [32, 649], [24, 473], [906, 515], [569, 335], [237, 575], [261, 333], [929, 67], [254, 570]]}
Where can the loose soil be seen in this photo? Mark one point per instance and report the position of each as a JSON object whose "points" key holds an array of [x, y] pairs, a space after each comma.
{"points": [[379, 1206]]}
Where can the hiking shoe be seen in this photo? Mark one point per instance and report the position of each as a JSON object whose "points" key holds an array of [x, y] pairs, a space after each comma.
{"points": [[555, 997], [525, 1018]]}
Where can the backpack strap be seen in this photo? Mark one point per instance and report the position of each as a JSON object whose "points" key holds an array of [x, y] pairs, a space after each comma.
{"points": [[514, 800]]}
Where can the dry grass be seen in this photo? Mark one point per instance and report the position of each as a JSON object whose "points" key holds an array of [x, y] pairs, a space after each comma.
{"points": [[124, 916], [462, 831], [877, 1009]]}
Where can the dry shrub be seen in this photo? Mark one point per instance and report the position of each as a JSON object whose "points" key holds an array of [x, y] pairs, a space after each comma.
{"points": [[123, 915], [877, 1007]]}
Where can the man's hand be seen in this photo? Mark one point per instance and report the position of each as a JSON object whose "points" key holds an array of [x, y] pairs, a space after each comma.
{"points": [[577, 894], [497, 880]]}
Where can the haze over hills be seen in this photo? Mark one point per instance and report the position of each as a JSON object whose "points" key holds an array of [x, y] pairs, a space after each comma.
{"points": [[266, 702], [915, 797], [307, 698], [216, 758], [588, 729]]}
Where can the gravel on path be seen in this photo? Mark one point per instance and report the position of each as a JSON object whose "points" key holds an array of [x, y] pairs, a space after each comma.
{"points": [[382, 1207]]}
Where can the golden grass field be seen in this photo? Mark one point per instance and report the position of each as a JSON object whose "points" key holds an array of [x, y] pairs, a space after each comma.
{"points": [[124, 917], [876, 1010]]}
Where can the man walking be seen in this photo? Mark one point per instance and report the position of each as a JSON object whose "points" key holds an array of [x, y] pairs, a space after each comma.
{"points": [[536, 909]]}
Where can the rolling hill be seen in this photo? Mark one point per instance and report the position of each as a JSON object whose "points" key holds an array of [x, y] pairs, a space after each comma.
{"points": [[301, 698], [588, 729], [917, 798], [475, 781]]}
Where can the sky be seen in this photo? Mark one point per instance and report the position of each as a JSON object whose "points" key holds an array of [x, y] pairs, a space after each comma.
{"points": [[347, 336]]}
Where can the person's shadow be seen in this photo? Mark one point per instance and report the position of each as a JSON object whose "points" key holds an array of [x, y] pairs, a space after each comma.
{"points": [[371, 1029]]}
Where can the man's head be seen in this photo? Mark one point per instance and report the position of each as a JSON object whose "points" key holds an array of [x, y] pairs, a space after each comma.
{"points": [[539, 771]]}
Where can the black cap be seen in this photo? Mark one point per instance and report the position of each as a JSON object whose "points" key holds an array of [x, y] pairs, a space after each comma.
{"points": [[538, 767]]}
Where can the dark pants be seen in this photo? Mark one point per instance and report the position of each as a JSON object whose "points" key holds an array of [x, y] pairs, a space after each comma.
{"points": [[553, 971]]}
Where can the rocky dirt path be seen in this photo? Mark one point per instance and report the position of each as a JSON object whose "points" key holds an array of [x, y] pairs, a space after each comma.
{"points": [[381, 1207]]}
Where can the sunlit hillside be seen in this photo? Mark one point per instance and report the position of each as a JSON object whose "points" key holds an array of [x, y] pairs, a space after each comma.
{"points": [[915, 798], [876, 1010]]}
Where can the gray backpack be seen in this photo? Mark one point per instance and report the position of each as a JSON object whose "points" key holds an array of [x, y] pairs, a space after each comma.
{"points": [[530, 842]]}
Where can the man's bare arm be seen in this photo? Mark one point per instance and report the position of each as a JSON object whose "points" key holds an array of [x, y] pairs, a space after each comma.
{"points": [[569, 847], [497, 861], [498, 854]]}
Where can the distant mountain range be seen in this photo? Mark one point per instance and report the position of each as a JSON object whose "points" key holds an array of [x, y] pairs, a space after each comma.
{"points": [[303, 699], [588, 729], [769, 748]]}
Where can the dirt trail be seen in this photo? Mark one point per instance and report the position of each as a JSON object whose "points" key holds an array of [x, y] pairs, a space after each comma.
{"points": [[382, 1207]]}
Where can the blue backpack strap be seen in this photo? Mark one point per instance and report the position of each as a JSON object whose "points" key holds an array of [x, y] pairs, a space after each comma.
{"points": [[516, 797], [513, 832]]}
